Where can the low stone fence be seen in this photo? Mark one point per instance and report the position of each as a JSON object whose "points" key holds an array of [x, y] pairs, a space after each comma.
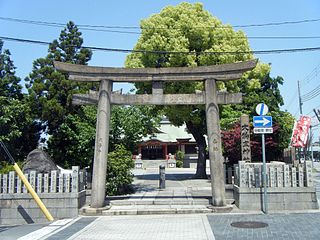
{"points": [[62, 193], [289, 187]]}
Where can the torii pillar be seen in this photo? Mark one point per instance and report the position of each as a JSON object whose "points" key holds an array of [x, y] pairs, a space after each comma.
{"points": [[157, 76]]}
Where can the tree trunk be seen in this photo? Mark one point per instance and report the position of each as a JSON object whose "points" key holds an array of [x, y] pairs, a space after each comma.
{"points": [[201, 142]]}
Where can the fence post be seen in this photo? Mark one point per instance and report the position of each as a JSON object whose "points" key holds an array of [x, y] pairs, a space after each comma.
{"points": [[75, 179], [39, 183], [33, 179], [46, 183], [11, 182], [53, 182], [67, 182], [294, 176], [308, 173], [60, 183], [24, 188]]}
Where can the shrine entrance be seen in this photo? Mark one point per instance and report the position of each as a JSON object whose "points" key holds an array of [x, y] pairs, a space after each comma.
{"points": [[157, 76]]}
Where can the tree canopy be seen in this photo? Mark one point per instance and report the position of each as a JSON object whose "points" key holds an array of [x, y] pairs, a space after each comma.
{"points": [[17, 124], [189, 28], [50, 91]]}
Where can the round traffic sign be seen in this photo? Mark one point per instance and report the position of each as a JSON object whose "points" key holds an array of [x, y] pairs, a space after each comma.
{"points": [[262, 109]]}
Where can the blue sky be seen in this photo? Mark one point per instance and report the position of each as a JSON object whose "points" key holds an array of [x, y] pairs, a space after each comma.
{"points": [[292, 67]]}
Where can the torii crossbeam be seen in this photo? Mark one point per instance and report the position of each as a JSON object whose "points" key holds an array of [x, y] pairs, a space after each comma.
{"points": [[105, 98]]}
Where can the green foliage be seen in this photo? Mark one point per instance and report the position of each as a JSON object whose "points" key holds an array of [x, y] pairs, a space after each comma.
{"points": [[76, 135], [6, 167], [18, 129], [119, 177], [179, 158], [10, 84], [50, 96], [75, 138], [50, 91], [185, 28], [130, 123]]}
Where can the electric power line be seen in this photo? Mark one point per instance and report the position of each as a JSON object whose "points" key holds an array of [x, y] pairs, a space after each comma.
{"points": [[310, 95], [258, 52], [313, 74], [136, 27], [111, 29]]}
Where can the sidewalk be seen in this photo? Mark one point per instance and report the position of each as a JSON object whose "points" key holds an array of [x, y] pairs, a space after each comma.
{"points": [[180, 227]]}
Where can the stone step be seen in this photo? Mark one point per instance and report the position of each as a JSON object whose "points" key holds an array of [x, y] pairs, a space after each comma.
{"points": [[165, 209], [183, 202]]}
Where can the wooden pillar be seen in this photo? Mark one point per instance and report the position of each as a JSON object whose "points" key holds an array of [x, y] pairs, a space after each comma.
{"points": [[214, 144], [101, 146]]}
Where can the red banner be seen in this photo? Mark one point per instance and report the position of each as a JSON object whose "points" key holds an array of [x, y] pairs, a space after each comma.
{"points": [[300, 132]]}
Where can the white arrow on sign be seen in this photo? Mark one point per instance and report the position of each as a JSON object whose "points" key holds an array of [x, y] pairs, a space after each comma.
{"points": [[264, 121]]}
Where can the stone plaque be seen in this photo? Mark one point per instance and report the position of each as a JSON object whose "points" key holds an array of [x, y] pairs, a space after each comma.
{"points": [[67, 182], [12, 181], [46, 183], [24, 188], [53, 182], [251, 180], [39, 183], [294, 177], [286, 176], [308, 173], [300, 176], [279, 176], [32, 181], [272, 177], [5, 184], [19, 185], [257, 177], [60, 183]]}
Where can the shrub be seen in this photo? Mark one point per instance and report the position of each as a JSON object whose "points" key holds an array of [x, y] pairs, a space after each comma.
{"points": [[179, 158], [119, 176]]}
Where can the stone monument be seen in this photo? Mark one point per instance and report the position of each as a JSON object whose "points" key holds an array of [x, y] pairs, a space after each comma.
{"points": [[39, 161]]}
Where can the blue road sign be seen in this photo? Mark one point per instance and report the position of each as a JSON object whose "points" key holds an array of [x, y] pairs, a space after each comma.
{"points": [[262, 121], [262, 109]]}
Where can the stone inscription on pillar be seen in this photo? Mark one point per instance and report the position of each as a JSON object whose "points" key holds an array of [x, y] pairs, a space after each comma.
{"points": [[245, 138]]}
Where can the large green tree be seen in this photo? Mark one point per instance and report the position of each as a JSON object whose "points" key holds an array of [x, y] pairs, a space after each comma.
{"points": [[50, 91], [189, 28], [18, 130]]}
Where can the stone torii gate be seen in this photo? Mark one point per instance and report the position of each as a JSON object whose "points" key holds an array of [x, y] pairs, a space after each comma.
{"points": [[158, 76]]}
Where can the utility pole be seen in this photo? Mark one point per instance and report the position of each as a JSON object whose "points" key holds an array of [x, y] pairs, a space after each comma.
{"points": [[317, 115], [300, 102]]}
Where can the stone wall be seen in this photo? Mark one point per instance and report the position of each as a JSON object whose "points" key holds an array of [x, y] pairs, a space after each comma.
{"points": [[62, 194], [288, 187]]}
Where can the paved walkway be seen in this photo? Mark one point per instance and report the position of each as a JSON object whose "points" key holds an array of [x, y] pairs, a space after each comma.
{"points": [[182, 194], [187, 227]]}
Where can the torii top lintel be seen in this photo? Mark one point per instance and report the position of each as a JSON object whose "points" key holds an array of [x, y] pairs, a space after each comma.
{"points": [[223, 72]]}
